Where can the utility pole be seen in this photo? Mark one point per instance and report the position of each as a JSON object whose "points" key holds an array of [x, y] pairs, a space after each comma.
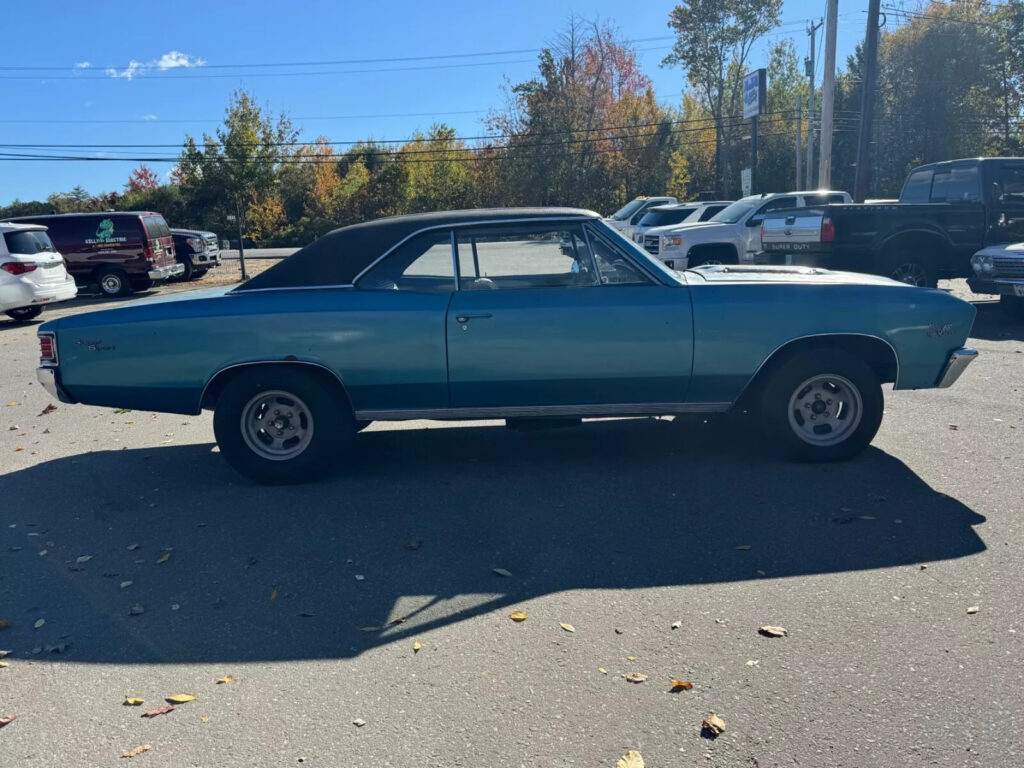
{"points": [[828, 94], [799, 131], [862, 181], [812, 32]]}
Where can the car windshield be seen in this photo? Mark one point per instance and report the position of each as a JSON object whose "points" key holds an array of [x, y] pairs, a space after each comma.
{"points": [[628, 209], [733, 213], [29, 242], [658, 218]]}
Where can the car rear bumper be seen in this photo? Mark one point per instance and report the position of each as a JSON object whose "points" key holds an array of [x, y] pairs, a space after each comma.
{"points": [[25, 293], [956, 365], [50, 381], [166, 273], [1004, 286]]}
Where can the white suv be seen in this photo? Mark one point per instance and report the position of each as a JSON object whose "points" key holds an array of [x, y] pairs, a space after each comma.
{"points": [[629, 215], [733, 236], [32, 273], [663, 219]]}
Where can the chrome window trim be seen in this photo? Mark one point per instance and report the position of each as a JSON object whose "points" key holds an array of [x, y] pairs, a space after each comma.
{"points": [[236, 292], [455, 225], [629, 259], [455, 263], [598, 410]]}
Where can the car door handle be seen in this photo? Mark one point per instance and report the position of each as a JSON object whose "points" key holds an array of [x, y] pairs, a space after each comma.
{"points": [[475, 316]]}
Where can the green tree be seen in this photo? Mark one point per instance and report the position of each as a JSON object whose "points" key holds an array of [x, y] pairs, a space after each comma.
{"points": [[713, 43]]}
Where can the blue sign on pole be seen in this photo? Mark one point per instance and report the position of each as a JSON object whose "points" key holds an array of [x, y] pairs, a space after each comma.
{"points": [[755, 88]]}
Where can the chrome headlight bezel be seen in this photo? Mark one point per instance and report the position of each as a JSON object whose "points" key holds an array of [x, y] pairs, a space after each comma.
{"points": [[982, 264]]}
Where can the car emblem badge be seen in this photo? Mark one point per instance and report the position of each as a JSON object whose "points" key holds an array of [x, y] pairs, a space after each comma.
{"points": [[940, 330]]}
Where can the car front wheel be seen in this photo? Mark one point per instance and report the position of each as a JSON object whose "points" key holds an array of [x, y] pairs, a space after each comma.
{"points": [[822, 405], [279, 426]]}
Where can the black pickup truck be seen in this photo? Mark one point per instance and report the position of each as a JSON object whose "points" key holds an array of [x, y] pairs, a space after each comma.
{"points": [[946, 212]]}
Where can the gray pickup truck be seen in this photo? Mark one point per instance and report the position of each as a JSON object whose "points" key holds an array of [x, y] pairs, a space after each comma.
{"points": [[946, 213]]}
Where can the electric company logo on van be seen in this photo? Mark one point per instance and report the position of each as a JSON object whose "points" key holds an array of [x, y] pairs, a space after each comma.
{"points": [[105, 234]]}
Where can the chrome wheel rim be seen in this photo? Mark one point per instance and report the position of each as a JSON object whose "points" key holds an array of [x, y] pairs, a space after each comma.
{"points": [[111, 284], [911, 274], [277, 425], [825, 410]]}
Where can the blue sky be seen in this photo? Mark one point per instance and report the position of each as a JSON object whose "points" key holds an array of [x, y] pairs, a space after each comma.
{"points": [[158, 100]]}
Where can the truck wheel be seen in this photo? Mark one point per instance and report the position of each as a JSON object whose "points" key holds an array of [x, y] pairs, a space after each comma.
{"points": [[823, 405], [113, 282], [24, 314], [910, 268], [1012, 306], [190, 270], [279, 426]]}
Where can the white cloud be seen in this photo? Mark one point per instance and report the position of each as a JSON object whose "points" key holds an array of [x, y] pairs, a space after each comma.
{"points": [[176, 59], [83, 65], [150, 116], [170, 60]]}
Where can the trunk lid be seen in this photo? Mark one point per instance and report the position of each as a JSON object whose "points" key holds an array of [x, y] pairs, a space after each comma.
{"points": [[792, 230]]}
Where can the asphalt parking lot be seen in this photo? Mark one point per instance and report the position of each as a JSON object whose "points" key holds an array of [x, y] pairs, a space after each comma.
{"points": [[311, 598]]}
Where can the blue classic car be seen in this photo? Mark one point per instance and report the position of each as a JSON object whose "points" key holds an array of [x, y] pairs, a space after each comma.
{"points": [[517, 314]]}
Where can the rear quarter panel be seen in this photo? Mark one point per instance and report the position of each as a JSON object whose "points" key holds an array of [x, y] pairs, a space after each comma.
{"points": [[738, 326], [385, 346]]}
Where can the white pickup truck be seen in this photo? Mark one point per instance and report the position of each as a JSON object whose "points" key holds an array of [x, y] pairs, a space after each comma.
{"points": [[628, 216], [733, 236]]}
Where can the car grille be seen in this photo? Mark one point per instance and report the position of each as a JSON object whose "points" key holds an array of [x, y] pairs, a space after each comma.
{"points": [[211, 241], [651, 243], [1008, 267]]}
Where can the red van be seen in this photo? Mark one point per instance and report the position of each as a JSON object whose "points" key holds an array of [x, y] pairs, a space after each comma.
{"points": [[119, 252]]}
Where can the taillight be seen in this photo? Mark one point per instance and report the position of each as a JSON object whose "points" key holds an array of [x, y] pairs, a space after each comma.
{"points": [[828, 230], [18, 267], [47, 349], [149, 254]]}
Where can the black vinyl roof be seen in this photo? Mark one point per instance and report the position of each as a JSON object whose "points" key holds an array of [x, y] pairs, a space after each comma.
{"points": [[340, 255]]}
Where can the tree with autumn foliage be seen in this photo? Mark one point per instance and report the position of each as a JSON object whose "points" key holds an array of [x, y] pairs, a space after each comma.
{"points": [[142, 178]]}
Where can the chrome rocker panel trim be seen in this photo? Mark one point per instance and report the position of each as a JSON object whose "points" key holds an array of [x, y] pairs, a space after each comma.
{"points": [[540, 411]]}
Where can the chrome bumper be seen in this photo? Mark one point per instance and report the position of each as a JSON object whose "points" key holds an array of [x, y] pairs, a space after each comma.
{"points": [[47, 376], [164, 273], [957, 364]]}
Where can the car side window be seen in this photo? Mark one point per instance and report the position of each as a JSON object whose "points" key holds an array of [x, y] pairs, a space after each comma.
{"points": [[422, 263], [810, 200], [918, 187], [710, 211], [773, 205], [613, 266], [957, 184], [520, 257], [1010, 184], [837, 198]]}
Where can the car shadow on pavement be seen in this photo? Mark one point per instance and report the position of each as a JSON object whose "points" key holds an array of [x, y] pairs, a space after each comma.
{"points": [[405, 538], [993, 324]]}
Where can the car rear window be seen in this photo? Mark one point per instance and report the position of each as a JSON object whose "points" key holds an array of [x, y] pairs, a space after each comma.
{"points": [[918, 187], [156, 226], [28, 242]]}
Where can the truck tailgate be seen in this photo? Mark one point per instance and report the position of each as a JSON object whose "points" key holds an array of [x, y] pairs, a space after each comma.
{"points": [[794, 230]]}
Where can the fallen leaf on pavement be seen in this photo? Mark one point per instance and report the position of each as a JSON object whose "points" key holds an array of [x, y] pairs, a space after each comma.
{"points": [[204, 719], [48, 409], [712, 726], [225, 679], [954, 427], [517, 616], [973, 609], [743, 547], [770, 631], [635, 677], [122, 410], [567, 627], [5, 654], [137, 751], [359, 722], [631, 658], [753, 662], [414, 545], [602, 670], [371, 629], [273, 594], [681, 685], [631, 759], [502, 572], [130, 701], [132, 547], [5, 623], [126, 584], [179, 698], [161, 711], [676, 624], [83, 559], [19, 448], [39, 623], [417, 646], [163, 558], [4, 664], [136, 610], [7, 720]]}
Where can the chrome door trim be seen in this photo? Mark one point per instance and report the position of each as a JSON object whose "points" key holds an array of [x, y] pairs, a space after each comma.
{"points": [[540, 411]]}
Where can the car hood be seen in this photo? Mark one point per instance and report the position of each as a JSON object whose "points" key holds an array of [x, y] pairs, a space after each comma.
{"points": [[1007, 249], [794, 275], [671, 229]]}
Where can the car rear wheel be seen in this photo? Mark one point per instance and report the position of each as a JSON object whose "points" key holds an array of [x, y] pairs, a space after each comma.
{"points": [[113, 282], [822, 405], [24, 314], [189, 272], [279, 426], [911, 269]]}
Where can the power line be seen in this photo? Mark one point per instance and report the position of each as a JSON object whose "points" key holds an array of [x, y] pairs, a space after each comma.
{"points": [[155, 121]]}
